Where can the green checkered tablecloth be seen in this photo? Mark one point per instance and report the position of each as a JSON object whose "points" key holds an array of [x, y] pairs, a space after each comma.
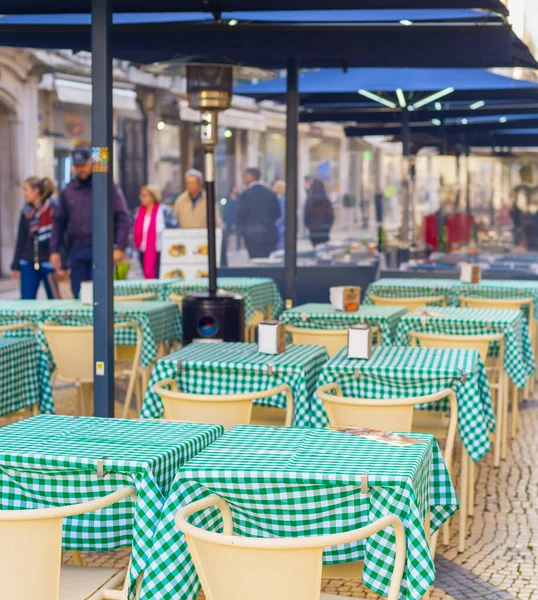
{"points": [[51, 461], [232, 368], [518, 353], [289, 482], [33, 311], [325, 316], [406, 372], [24, 376], [496, 289], [259, 292], [159, 322], [410, 288]]}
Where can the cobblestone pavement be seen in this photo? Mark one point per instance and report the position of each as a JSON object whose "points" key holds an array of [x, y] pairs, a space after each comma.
{"points": [[501, 560]]}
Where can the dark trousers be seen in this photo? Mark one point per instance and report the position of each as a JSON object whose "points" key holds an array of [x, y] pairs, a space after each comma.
{"points": [[141, 258], [31, 280], [80, 259]]}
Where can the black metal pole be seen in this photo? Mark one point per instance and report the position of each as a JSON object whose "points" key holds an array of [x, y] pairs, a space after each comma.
{"points": [[102, 208], [406, 187], [468, 180], [292, 183], [211, 221]]}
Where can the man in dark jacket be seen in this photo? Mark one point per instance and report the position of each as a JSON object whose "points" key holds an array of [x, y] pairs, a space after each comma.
{"points": [[257, 214], [74, 217]]}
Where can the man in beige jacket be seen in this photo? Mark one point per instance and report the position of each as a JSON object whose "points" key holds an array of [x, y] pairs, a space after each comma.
{"points": [[190, 207]]}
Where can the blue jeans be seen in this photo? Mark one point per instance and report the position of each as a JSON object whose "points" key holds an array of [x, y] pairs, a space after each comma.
{"points": [[80, 260], [31, 280]]}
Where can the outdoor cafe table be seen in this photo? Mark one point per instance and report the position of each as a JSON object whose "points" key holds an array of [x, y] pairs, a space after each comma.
{"points": [[291, 481], [32, 311], [24, 376], [410, 288], [261, 293], [236, 367], [400, 372], [518, 353], [325, 316], [50, 461]]}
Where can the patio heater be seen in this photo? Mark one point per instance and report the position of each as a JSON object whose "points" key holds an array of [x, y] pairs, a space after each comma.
{"points": [[212, 315]]}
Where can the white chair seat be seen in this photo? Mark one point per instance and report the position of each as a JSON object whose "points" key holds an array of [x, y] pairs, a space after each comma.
{"points": [[88, 583]]}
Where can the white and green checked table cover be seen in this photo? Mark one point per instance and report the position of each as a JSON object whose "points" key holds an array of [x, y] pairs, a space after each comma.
{"points": [[236, 367], [518, 353], [50, 461], [410, 288], [400, 372], [159, 321], [325, 316], [289, 481], [258, 292], [24, 376]]}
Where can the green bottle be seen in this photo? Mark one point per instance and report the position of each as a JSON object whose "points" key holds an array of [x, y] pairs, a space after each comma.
{"points": [[381, 241], [443, 239]]}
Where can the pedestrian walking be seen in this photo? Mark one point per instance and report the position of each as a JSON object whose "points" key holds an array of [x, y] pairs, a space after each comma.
{"points": [[318, 213], [258, 212], [73, 217], [31, 259], [152, 218], [279, 187], [229, 218], [190, 207]]}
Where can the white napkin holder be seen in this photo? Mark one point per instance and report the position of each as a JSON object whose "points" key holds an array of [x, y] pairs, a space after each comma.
{"points": [[470, 273], [346, 298], [359, 341], [271, 337], [86, 292]]}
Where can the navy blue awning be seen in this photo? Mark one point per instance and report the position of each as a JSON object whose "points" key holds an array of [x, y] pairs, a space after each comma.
{"points": [[335, 85], [130, 6], [374, 42]]}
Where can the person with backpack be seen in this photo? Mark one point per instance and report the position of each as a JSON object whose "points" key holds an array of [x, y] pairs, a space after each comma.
{"points": [[318, 213]]}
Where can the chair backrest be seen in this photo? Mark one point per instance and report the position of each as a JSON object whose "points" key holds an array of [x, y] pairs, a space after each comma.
{"points": [[388, 414], [17, 327], [333, 339], [408, 303], [271, 568], [499, 303], [31, 547], [72, 350], [136, 297], [177, 299], [480, 343], [227, 410]]}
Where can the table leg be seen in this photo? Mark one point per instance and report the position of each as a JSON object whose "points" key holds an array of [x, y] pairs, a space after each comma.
{"points": [[504, 445], [471, 490], [499, 418], [515, 411], [464, 483]]}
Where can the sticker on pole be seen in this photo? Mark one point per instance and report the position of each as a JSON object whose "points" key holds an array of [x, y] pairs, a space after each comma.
{"points": [[100, 368], [101, 159]]}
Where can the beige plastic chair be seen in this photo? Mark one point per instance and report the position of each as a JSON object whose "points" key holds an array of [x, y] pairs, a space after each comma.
{"points": [[527, 306], [271, 568], [498, 383], [393, 414], [410, 304], [136, 297], [333, 339], [78, 366], [226, 409], [31, 556], [251, 326], [494, 369]]}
